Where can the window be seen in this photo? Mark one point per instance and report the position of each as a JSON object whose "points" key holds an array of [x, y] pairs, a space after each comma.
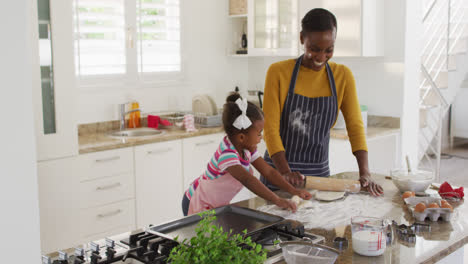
{"points": [[133, 39]]}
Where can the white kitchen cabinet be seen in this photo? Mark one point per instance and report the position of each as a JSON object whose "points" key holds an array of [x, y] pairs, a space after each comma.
{"points": [[340, 157], [158, 181], [384, 154], [106, 193], [105, 163], [360, 25], [197, 152], [58, 204], [54, 80], [107, 220], [245, 193], [273, 27]]}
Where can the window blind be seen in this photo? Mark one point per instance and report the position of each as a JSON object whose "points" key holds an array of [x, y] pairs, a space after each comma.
{"points": [[100, 37], [158, 34]]}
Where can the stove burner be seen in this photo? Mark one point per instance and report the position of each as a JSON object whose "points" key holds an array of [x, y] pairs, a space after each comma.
{"points": [[147, 248]]}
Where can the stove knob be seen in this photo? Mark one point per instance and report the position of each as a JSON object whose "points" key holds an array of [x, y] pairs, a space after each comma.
{"points": [[94, 247], [110, 251], [79, 252], [63, 257], [110, 243], [46, 260]]}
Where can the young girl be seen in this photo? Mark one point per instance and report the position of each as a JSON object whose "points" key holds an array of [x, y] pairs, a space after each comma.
{"points": [[229, 168]]}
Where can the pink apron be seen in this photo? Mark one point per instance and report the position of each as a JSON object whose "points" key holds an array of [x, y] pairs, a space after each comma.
{"points": [[214, 193]]}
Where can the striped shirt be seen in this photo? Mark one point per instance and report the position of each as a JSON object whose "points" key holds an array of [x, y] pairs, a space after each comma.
{"points": [[225, 156]]}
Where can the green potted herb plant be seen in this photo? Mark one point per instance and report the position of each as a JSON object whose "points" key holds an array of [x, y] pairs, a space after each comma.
{"points": [[213, 245]]}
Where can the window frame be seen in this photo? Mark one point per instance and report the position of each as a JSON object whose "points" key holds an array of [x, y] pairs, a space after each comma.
{"points": [[132, 79]]}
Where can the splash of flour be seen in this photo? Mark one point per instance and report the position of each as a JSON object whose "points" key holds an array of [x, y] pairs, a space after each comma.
{"points": [[328, 215], [297, 120]]}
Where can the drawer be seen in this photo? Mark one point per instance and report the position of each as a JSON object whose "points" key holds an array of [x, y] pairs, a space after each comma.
{"points": [[99, 220], [105, 163], [107, 190]]}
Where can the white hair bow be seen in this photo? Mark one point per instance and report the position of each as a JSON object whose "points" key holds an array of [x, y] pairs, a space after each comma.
{"points": [[242, 121]]}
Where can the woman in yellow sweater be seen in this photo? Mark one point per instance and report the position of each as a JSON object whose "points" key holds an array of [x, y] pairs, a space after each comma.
{"points": [[301, 102]]}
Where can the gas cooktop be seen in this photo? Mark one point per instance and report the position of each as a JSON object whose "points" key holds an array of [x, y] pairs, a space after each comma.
{"points": [[149, 248]]}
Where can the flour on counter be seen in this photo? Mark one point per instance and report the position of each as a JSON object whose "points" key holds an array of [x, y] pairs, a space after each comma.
{"points": [[328, 215]]}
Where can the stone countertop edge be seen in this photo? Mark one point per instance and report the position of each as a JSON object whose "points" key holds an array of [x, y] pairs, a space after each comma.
{"points": [[90, 143], [428, 257], [95, 142]]}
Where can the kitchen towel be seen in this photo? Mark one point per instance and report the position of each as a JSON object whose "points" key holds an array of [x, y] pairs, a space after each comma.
{"points": [[189, 123], [153, 121]]}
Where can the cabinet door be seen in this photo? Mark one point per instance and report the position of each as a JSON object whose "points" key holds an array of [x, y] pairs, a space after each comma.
{"points": [[158, 180], [341, 158], [245, 193], [273, 27], [360, 25], [197, 152], [383, 153], [54, 80], [58, 204]]}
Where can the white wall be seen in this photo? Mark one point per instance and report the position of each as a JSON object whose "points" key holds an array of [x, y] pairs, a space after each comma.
{"points": [[18, 192], [205, 27], [410, 117], [379, 80], [460, 112]]}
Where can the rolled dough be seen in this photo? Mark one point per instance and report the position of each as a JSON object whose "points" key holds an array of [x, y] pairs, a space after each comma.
{"points": [[328, 196]]}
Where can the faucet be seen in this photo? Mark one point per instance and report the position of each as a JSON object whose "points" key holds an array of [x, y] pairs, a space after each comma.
{"points": [[123, 113]]}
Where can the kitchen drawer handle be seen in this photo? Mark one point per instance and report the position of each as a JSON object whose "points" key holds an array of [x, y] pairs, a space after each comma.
{"points": [[204, 143], [118, 211], [108, 159], [159, 151], [106, 187]]}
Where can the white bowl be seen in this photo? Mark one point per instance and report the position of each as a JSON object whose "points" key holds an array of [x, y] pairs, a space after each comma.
{"points": [[416, 181]]}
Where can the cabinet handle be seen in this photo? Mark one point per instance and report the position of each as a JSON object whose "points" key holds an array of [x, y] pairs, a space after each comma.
{"points": [[108, 159], [110, 186], [204, 143], [159, 151], [118, 211]]}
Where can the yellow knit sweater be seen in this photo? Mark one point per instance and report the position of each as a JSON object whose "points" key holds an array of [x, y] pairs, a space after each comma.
{"points": [[311, 84]]}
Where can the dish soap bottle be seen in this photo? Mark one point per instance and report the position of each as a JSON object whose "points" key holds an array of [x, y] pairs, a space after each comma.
{"points": [[134, 117]]}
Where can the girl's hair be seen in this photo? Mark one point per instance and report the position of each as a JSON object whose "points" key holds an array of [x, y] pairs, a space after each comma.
{"points": [[318, 20], [231, 111]]}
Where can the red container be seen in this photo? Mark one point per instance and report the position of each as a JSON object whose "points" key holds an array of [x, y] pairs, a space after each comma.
{"points": [[153, 121]]}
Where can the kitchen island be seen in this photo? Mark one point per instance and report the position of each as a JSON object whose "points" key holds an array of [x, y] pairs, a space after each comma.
{"points": [[444, 239]]}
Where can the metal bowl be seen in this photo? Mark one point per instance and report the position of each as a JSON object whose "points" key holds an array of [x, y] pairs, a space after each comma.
{"points": [[135, 133]]}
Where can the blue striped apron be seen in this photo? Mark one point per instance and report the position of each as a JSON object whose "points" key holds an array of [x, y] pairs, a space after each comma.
{"points": [[305, 129]]}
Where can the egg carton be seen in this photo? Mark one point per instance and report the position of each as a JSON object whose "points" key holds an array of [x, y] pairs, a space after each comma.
{"points": [[432, 213]]}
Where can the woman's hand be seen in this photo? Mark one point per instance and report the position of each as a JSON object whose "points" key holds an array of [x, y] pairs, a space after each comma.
{"points": [[286, 204], [295, 178], [374, 188], [305, 195]]}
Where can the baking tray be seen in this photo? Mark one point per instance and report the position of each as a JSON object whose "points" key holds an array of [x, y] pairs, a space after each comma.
{"points": [[229, 217]]}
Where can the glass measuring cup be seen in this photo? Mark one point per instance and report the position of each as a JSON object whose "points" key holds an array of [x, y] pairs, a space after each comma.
{"points": [[369, 235]]}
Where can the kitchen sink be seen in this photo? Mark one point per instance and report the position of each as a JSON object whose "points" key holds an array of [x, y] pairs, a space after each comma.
{"points": [[136, 133]]}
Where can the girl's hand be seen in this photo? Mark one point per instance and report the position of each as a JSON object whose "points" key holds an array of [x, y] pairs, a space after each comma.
{"points": [[295, 178], [305, 195], [374, 188], [286, 204]]}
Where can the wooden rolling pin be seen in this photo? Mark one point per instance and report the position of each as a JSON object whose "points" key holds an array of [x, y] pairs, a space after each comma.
{"points": [[330, 184]]}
